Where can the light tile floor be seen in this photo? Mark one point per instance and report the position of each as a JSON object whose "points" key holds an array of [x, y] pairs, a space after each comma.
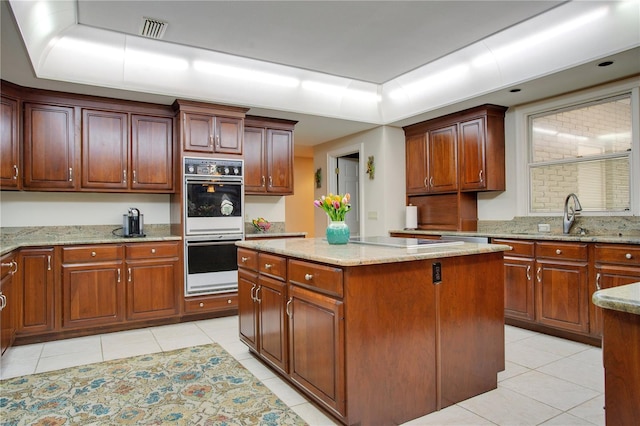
{"points": [[547, 380]]}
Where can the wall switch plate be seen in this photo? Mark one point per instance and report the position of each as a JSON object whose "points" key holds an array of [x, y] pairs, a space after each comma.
{"points": [[544, 227]]}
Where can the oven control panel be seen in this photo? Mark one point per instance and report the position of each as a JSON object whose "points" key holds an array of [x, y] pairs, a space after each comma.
{"points": [[212, 167]]}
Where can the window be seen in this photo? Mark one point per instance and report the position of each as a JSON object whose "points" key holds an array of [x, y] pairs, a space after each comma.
{"points": [[585, 149]]}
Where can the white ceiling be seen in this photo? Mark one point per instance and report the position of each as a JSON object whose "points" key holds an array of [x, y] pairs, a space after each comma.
{"points": [[363, 41]]}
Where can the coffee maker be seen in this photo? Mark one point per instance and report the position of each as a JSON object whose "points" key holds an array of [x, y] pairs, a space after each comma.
{"points": [[133, 223]]}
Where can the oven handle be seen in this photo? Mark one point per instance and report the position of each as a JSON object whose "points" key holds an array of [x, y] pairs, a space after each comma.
{"points": [[227, 181], [210, 243]]}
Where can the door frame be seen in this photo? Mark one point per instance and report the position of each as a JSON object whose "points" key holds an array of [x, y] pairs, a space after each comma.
{"points": [[332, 181]]}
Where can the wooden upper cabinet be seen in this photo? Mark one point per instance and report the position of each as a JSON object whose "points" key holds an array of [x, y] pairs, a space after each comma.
{"points": [[442, 159], [49, 147], [210, 129], [9, 144], [268, 156], [416, 159], [105, 144], [151, 153]]}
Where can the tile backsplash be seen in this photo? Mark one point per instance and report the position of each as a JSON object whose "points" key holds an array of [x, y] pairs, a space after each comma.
{"points": [[593, 225]]}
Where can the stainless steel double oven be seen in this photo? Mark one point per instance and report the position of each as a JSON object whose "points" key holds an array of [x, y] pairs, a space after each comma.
{"points": [[214, 221]]}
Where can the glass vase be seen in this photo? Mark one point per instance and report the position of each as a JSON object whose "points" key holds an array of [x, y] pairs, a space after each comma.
{"points": [[338, 232]]}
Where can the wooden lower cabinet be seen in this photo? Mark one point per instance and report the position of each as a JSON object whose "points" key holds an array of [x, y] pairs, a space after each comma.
{"points": [[377, 344], [36, 291], [9, 300]]}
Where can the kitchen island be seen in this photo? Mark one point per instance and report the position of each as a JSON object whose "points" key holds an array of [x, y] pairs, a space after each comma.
{"points": [[375, 334], [621, 352]]}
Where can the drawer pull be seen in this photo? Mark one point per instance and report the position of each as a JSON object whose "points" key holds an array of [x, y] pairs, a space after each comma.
{"points": [[529, 273], [558, 251], [308, 277], [129, 273], [244, 259], [93, 254], [201, 305], [48, 262], [287, 307], [13, 265], [267, 266], [538, 275], [118, 280], [628, 256], [598, 281], [257, 298], [229, 301], [153, 251]]}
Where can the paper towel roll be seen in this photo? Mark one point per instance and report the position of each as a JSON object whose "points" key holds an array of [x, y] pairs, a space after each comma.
{"points": [[412, 217]]}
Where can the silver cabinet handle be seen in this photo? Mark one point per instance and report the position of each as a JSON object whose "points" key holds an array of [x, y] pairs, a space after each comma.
{"points": [[13, 265], [70, 174], [481, 177], [528, 273], [93, 254], [598, 281], [135, 180], [48, 262], [124, 176], [253, 297], [263, 181], [129, 273], [558, 251], [628, 256], [287, 307], [270, 182], [218, 141], [267, 266], [244, 259], [308, 277], [257, 299], [3, 301], [153, 251], [210, 140], [538, 274], [118, 275], [425, 181], [431, 181], [15, 172]]}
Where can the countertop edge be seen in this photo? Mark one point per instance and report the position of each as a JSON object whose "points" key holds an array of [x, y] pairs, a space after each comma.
{"points": [[624, 298], [616, 239]]}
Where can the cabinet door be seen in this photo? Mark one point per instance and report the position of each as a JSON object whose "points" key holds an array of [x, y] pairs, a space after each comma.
{"points": [[519, 289], [472, 154], [442, 159], [9, 301], [151, 289], [608, 276], [92, 294], [280, 161], [37, 314], [416, 159], [9, 144], [49, 147], [228, 135], [271, 296], [105, 147], [198, 132], [561, 292], [248, 307], [317, 347], [255, 181], [151, 153]]}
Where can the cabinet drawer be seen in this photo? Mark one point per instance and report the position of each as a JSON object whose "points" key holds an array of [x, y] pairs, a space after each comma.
{"points": [[518, 247], [221, 302], [623, 254], [566, 251], [274, 266], [247, 259], [96, 253], [152, 250], [317, 277]]}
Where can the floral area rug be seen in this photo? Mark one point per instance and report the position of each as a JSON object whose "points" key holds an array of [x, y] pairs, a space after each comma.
{"points": [[201, 385]]}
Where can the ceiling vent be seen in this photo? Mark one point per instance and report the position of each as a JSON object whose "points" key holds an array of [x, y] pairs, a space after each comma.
{"points": [[153, 28]]}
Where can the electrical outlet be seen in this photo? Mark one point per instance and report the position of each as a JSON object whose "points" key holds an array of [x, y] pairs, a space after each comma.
{"points": [[544, 227], [436, 272]]}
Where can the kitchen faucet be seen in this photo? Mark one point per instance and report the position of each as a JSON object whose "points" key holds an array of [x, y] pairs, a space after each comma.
{"points": [[570, 212]]}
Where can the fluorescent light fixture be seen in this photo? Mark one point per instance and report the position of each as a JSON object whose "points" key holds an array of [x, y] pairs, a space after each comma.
{"points": [[245, 74], [90, 48], [432, 81], [543, 36], [340, 91], [155, 60]]}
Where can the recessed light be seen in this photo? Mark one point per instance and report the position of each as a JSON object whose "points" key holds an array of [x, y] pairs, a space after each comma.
{"points": [[605, 63], [515, 90]]}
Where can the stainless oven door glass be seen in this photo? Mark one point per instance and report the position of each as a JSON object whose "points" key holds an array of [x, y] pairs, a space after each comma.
{"points": [[213, 207], [211, 267]]}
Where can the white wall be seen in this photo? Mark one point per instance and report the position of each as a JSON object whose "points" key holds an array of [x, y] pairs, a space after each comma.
{"points": [[384, 196]]}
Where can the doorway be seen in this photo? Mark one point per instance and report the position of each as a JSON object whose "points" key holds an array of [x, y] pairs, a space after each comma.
{"points": [[348, 181]]}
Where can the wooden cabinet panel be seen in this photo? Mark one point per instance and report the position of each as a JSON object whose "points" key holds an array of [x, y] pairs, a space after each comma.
{"points": [[228, 135], [280, 161], [416, 170], [9, 301], [247, 259], [519, 289], [151, 153], [316, 336], [472, 154], [224, 303], [198, 132], [91, 253], [209, 133], [273, 266], [155, 250], [49, 147], [255, 180], [272, 298], [248, 307], [9, 144], [105, 147], [442, 159], [151, 289], [321, 278], [37, 291]]}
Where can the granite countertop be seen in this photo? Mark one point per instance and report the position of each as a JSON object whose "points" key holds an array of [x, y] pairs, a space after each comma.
{"points": [[13, 238], [625, 298], [351, 254], [620, 238]]}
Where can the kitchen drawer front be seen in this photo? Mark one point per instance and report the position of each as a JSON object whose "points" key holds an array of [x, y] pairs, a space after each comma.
{"points": [[613, 253], [316, 277], [152, 250], [221, 302], [95, 253], [519, 247], [564, 251], [274, 266], [247, 259]]}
